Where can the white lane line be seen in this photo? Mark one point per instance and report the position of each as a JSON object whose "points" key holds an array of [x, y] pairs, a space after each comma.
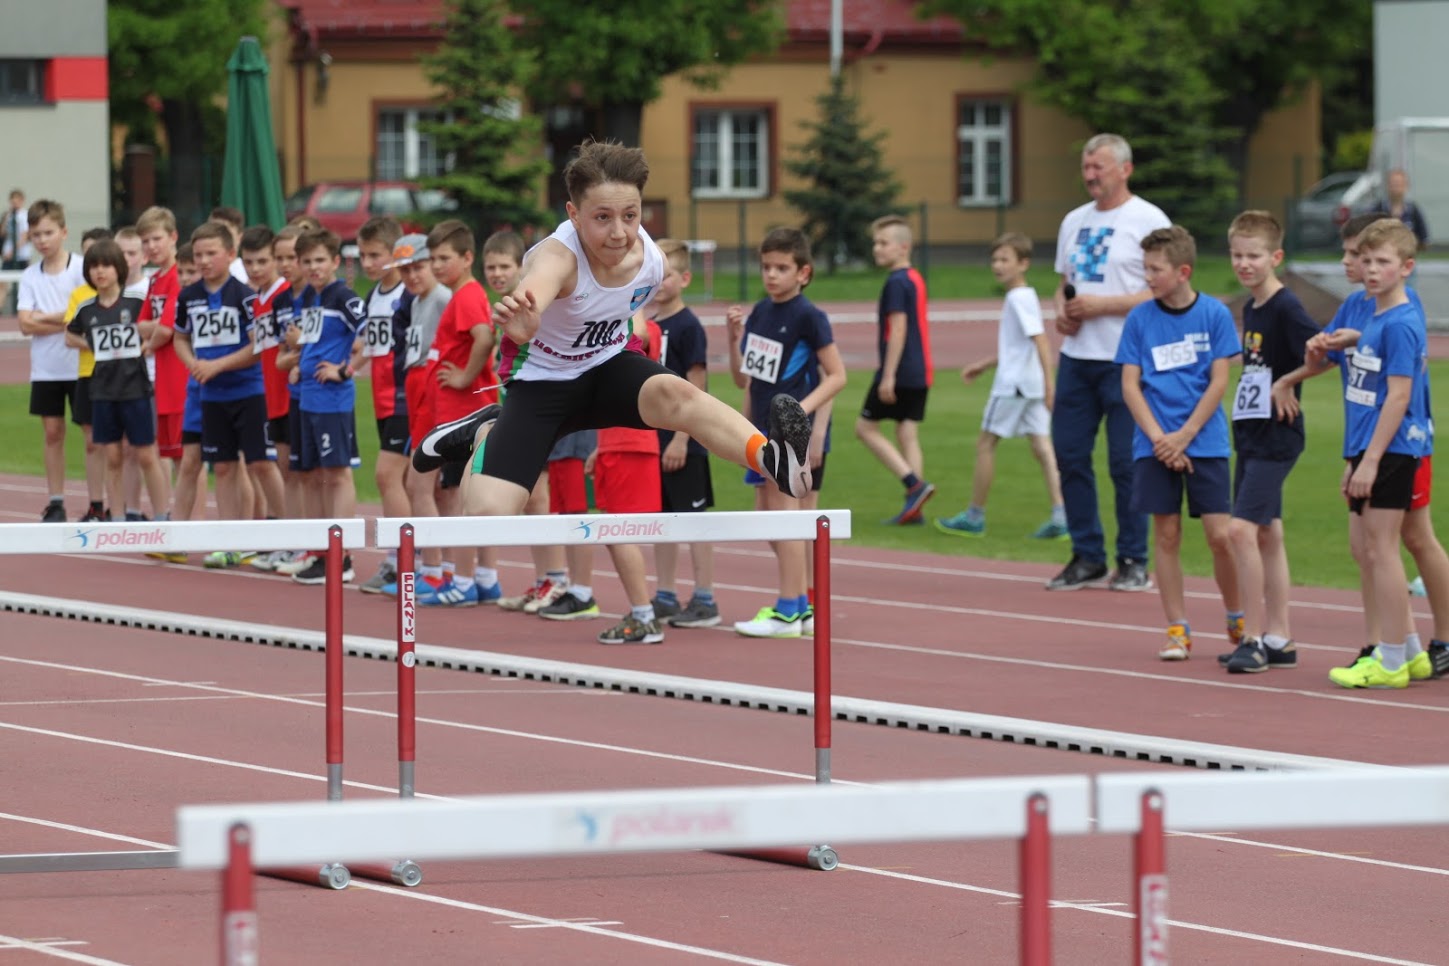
{"points": [[83, 830], [83, 702], [1099, 909], [46, 949], [1234, 839]]}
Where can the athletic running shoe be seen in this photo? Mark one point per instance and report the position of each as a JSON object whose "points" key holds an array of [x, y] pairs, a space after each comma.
{"points": [[1079, 573], [1439, 657], [664, 609], [1235, 631], [569, 608], [1250, 657], [316, 570], [1369, 672], [1131, 577], [452, 442], [450, 595], [696, 613], [807, 624], [267, 562], [53, 513], [168, 557], [222, 559], [524, 599], [295, 562], [631, 630], [491, 594], [771, 623], [386, 574], [785, 457], [962, 526], [1416, 587], [1284, 657], [95, 516], [136, 516], [550, 595], [1178, 646], [1421, 667], [916, 498], [1051, 530]]}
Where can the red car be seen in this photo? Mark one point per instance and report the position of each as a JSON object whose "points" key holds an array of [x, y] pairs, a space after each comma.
{"points": [[343, 206]]}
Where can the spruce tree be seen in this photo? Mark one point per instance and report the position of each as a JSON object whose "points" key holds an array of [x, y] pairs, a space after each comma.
{"points": [[496, 166], [847, 183]]}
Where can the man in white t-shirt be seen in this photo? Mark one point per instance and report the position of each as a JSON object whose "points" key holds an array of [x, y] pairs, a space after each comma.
{"points": [[15, 248], [1099, 259], [45, 290]]}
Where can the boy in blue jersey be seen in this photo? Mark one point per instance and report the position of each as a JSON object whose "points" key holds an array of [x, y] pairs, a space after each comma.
{"points": [[329, 316], [214, 335], [1174, 353], [785, 346], [1387, 431]]}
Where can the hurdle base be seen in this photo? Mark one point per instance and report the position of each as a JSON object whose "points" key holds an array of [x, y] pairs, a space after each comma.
{"points": [[333, 875], [89, 861], [821, 857], [404, 872]]}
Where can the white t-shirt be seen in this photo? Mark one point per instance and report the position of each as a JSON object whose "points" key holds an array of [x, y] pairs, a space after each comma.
{"points": [[1100, 253], [51, 360], [17, 223], [239, 272], [1018, 365]]}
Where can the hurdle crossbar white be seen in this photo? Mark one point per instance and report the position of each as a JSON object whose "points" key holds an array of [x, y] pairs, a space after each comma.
{"points": [[577, 823], [178, 537], [600, 528]]}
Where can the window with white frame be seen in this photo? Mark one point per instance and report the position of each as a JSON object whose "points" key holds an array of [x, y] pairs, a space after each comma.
{"points": [[983, 152], [730, 154], [402, 150]]}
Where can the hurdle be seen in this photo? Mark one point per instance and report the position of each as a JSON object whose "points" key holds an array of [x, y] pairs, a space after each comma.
{"points": [[191, 537], [233, 837], [818, 526]]}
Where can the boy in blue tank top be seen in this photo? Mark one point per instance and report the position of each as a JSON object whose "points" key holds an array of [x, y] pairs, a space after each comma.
{"points": [[1174, 353]]}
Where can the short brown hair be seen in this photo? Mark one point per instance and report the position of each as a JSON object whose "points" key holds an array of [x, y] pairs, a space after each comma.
{"points": [[1389, 233], [382, 228], [127, 232], [95, 235], [676, 253], [185, 254], [1355, 225], [255, 239], [106, 252], [792, 242], [216, 230], [321, 238], [505, 243], [305, 222], [1016, 241], [229, 215], [45, 208], [892, 221], [454, 234], [1175, 242], [604, 162], [1257, 223], [156, 217]]}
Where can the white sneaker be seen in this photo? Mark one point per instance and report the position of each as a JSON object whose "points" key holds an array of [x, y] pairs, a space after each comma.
{"points": [[770, 623], [295, 562], [547, 595]]}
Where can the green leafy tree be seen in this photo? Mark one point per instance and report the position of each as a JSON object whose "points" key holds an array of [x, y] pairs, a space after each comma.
{"points": [[614, 57], [848, 185], [172, 56], [496, 169]]}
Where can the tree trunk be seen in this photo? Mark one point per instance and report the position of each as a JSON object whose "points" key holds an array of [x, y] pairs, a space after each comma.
{"points": [[189, 194]]}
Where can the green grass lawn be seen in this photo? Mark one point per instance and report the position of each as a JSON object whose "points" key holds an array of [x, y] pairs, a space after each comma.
{"points": [[1314, 515]]}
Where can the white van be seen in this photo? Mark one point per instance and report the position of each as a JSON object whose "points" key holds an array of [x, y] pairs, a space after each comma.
{"points": [[1420, 146]]}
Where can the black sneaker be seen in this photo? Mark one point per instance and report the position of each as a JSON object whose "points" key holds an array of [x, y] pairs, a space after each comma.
{"points": [[316, 570], [136, 516], [54, 513], [1439, 657], [664, 609], [1250, 657], [96, 516], [785, 456], [452, 442], [1280, 657], [695, 614], [570, 608], [1079, 573], [1131, 576]]}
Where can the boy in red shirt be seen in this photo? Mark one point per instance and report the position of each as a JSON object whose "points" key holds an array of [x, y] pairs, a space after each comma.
{"points": [[157, 228]]}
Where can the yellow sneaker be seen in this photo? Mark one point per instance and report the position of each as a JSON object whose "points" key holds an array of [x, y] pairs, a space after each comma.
{"points": [[1421, 667], [1178, 646], [1369, 672]]}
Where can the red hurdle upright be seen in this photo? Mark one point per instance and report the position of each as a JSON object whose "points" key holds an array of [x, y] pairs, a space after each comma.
{"points": [[238, 901], [1034, 867], [1149, 862]]}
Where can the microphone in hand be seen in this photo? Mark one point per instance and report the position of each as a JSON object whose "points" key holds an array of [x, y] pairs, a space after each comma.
{"points": [[1069, 291]]}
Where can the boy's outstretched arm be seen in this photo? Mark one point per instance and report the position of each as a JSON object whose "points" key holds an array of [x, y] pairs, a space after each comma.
{"points": [[548, 271]]}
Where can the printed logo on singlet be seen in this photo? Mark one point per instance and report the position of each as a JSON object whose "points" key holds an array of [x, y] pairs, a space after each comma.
{"points": [[1089, 261], [639, 297]]}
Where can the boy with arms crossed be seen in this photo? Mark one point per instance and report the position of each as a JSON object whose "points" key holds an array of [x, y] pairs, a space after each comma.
{"points": [[1021, 394], [904, 375], [1174, 354]]}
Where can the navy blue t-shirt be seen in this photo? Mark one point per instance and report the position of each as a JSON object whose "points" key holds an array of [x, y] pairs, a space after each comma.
{"points": [[219, 325], [780, 345], [684, 346], [905, 292], [1274, 335]]}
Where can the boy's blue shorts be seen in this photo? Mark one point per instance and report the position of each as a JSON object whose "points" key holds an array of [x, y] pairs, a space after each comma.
{"points": [[1258, 489], [1157, 490]]}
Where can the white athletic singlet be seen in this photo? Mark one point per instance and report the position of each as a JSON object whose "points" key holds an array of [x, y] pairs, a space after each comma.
{"points": [[587, 327]]}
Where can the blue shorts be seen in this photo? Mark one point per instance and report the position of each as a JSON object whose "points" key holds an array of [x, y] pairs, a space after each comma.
{"points": [[131, 419], [1258, 489], [236, 427], [191, 415], [1157, 490], [329, 441]]}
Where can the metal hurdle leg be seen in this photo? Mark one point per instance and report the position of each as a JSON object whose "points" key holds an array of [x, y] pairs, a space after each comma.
{"points": [[1036, 885], [238, 901], [1150, 884]]}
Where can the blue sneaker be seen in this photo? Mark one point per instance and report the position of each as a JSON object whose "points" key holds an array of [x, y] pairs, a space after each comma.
{"points": [[449, 595], [962, 526], [389, 589], [1051, 530], [916, 498], [488, 595]]}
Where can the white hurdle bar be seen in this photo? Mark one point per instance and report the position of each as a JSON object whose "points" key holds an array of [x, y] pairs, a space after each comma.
{"points": [[819, 526], [194, 536], [232, 837], [1144, 804]]}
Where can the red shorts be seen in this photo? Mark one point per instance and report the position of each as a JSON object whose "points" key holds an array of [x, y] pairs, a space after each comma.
{"points": [[421, 390], [627, 482], [566, 492], [1423, 484], [168, 435], [450, 404]]}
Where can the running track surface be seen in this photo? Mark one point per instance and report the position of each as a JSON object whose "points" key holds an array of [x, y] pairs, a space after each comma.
{"points": [[104, 731]]}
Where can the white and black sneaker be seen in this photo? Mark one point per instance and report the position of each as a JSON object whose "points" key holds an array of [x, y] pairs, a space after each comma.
{"points": [[785, 456], [452, 442]]}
